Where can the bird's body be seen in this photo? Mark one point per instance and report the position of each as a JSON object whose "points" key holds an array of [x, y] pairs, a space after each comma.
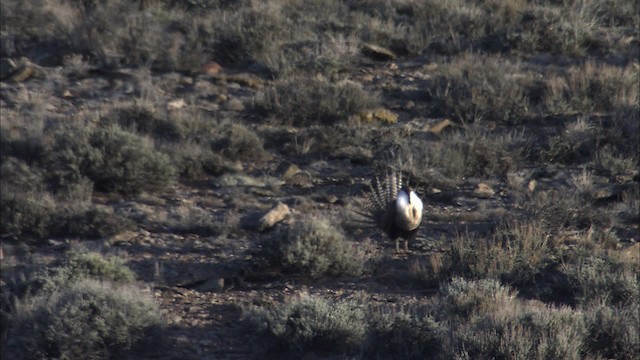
{"points": [[394, 208]]}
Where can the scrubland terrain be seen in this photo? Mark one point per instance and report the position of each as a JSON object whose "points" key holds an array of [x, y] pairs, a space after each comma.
{"points": [[141, 142]]}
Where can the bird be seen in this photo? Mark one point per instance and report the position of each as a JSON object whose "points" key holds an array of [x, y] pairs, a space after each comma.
{"points": [[394, 208]]}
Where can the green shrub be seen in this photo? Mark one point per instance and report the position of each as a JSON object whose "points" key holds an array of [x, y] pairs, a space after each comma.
{"points": [[532, 332], [250, 33], [29, 213], [26, 214], [314, 246], [89, 223], [69, 156], [592, 276], [87, 319], [400, 335], [194, 220], [79, 264], [127, 164], [195, 162], [238, 142], [486, 320], [310, 324], [143, 120], [17, 175], [613, 330], [74, 266]]}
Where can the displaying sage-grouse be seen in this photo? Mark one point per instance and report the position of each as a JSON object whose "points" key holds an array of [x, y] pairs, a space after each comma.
{"points": [[394, 208]]}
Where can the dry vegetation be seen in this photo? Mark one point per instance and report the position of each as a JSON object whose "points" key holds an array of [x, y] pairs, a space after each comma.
{"points": [[158, 132]]}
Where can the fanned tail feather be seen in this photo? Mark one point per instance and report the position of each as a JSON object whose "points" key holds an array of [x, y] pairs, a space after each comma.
{"points": [[382, 192]]}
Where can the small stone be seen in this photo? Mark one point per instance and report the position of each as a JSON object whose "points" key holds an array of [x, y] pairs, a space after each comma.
{"points": [[211, 69], [289, 171], [215, 284], [484, 190], [273, 216], [7, 66], [437, 129], [234, 105], [532, 185], [376, 52], [331, 199], [244, 79], [176, 104]]}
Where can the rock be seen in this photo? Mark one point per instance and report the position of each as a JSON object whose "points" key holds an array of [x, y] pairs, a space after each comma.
{"points": [[484, 191], [7, 66], [382, 115], [215, 284], [245, 180], [437, 128], [244, 79], [532, 185], [376, 52], [607, 192], [273, 216], [176, 104], [212, 68], [331, 199], [123, 238], [24, 69], [234, 105], [355, 154], [288, 170]]}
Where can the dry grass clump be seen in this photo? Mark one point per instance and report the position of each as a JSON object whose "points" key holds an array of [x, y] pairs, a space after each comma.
{"points": [[250, 33], [518, 254], [590, 87], [283, 36], [310, 323], [474, 87], [566, 208], [85, 319], [576, 144], [462, 298], [315, 246], [473, 152], [612, 163], [306, 101]]}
